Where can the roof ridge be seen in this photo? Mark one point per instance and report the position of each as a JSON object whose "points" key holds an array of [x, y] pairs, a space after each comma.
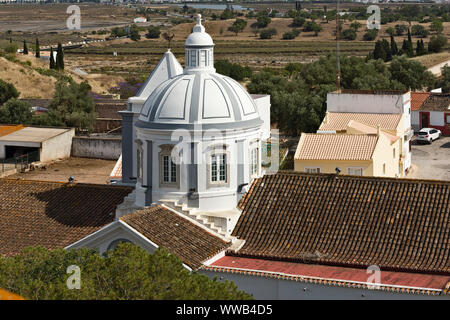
{"points": [[66, 183], [289, 172]]}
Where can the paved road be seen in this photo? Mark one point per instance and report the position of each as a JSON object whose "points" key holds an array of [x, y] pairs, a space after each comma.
{"points": [[431, 161], [436, 70]]}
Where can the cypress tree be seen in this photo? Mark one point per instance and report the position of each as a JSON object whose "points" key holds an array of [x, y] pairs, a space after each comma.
{"points": [[420, 49], [59, 58], [379, 52], [410, 50], [52, 60], [387, 49], [38, 49], [25, 48], [394, 49]]}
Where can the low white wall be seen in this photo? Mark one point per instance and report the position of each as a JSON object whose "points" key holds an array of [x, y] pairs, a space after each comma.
{"points": [[264, 288], [97, 147], [58, 147], [263, 108]]}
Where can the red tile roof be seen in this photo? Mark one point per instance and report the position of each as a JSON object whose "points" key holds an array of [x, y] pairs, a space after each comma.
{"points": [[191, 243], [331, 275], [437, 102], [52, 214], [417, 99], [397, 224]]}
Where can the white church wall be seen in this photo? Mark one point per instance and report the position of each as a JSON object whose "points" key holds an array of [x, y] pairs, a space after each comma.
{"points": [[263, 107], [266, 288]]}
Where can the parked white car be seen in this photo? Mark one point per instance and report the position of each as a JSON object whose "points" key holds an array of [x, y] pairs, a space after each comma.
{"points": [[428, 135]]}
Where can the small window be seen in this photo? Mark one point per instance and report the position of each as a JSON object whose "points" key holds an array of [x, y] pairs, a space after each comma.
{"points": [[193, 58], [169, 170], [312, 170], [254, 157], [394, 153], [384, 168], [139, 161], [219, 168], [355, 171], [447, 116], [203, 58], [187, 58]]}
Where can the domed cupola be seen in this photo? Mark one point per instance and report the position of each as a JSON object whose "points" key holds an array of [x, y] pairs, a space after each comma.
{"points": [[199, 50], [199, 95]]}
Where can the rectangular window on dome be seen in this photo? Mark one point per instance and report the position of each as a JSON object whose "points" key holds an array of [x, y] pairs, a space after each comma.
{"points": [[223, 167], [254, 154], [214, 168], [193, 58], [166, 168], [203, 58], [173, 172]]}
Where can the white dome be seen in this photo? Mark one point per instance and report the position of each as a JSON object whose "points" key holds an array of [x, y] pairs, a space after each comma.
{"points": [[198, 39], [209, 99]]}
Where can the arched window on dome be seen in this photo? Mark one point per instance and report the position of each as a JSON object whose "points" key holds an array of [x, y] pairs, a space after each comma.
{"points": [[169, 170]]}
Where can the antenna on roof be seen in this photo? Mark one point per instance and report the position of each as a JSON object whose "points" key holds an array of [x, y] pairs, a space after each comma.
{"points": [[168, 38], [338, 62]]}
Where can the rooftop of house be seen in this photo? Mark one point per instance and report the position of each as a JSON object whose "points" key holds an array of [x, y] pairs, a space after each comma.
{"points": [[404, 282], [371, 92], [336, 146], [417, 99], [338, 121], [400, 225], [364, 128], [30, 134], [53, 214], [437, 102], [190, 242]]}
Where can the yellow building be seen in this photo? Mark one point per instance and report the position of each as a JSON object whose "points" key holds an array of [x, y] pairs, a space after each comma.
{"points": [[362, 150]]}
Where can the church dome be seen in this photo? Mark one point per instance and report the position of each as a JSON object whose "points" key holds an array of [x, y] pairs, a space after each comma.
{"points": [[199, 95], [202, 98]]}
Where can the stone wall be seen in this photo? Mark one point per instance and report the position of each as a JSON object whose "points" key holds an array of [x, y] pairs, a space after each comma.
{"points": [[108, 148]]}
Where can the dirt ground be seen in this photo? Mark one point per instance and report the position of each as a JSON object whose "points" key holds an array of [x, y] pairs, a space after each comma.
{"points": [[82, 169], [431, 161]]}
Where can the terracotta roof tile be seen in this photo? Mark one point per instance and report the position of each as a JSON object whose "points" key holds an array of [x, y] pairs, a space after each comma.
{"points": [[331, 275], [191, 243], [437, 102], [397, 224], [337, 121], [52, 214], [336, 147], [417, 99]]}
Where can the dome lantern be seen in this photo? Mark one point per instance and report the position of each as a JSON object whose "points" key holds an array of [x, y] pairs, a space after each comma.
{"points": [[199, 50]]}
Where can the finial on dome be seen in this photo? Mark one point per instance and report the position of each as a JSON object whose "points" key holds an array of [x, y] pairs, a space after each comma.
{"points": [[199, 19]]}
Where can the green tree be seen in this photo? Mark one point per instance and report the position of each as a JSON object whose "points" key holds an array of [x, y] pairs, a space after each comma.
{"points": [[390, 31], [7, 91], [444, 83], [400, 29], [298, 21], [134, 33], [25, 48], [437, 43], [312, 26], [71, 106], [38, 49], [226, 14], [233, 70], [153, 32], [420, 48], [349, 34], [394, 48], [52, 60], [238, 26], [59, 58], [355, 25], [267, 33], [379, 52], [437, 26], [370, 35], [126, 273], [419, 31], [263, 21], [15, 112], [411, 73]]}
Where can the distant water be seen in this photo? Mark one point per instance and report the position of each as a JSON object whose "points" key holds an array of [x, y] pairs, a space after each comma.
{"points": [[213, 6]]}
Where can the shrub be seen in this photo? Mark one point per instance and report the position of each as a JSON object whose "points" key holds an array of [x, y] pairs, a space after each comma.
{"points": [[298, 21], [370, 35], [349, 34], [263, 21], [437, 43], [419, 31], [268, 33], [153, 32]]}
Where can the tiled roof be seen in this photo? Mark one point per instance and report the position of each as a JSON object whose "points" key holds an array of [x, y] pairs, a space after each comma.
{"points": [[52, 214], [397, 224], [417, 99], [363, 128], [335, 147], [7, 129], [330, 275], [336, 121], [191, 243], [437, 102], [116, 172]]}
